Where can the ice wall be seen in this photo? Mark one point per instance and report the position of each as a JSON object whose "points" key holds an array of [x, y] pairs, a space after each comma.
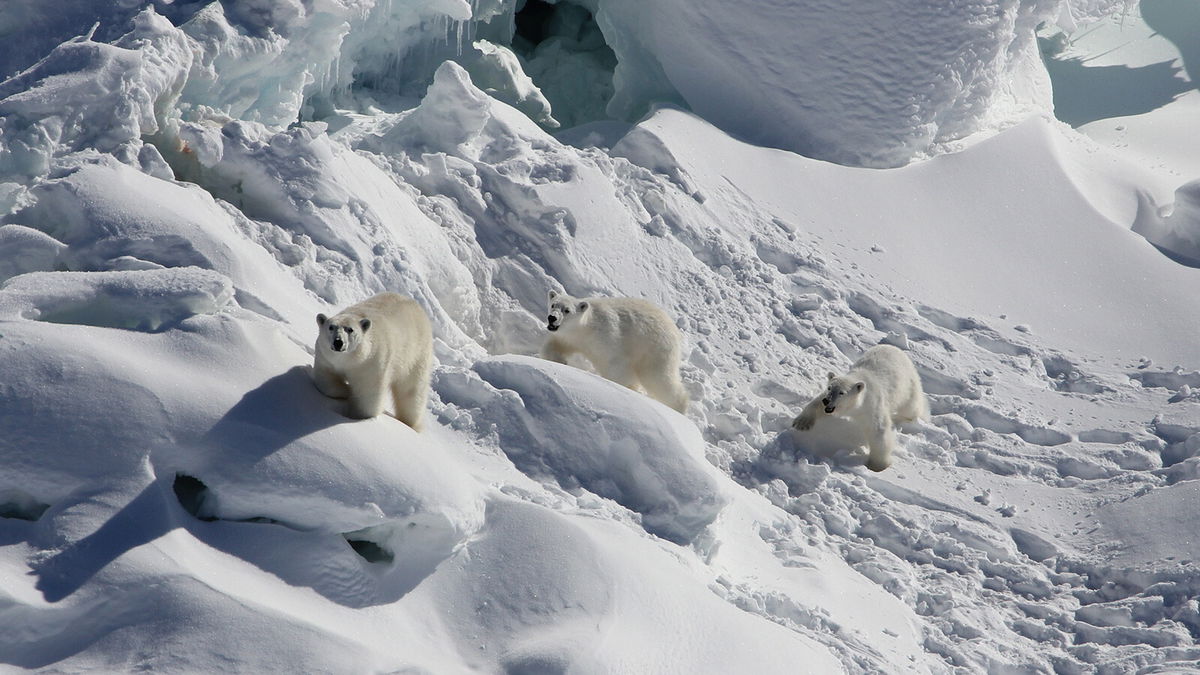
{"points": [[872, 84]]}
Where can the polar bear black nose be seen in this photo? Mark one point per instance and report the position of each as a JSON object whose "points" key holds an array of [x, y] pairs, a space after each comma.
{"points": [[337, 345]]}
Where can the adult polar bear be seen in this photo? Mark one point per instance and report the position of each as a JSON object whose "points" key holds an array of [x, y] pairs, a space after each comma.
{"points": [[630, 341], [881, 389], [382, 345]]}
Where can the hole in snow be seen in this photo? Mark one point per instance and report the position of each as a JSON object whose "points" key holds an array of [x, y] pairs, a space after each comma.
{"points": [[192, 494], [370, 551], [20, 505], [198, 500], [564, 53]]}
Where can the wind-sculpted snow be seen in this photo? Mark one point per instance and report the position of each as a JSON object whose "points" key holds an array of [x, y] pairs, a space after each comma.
{"points": [[132, 299], [1175, 228], [561, 424], [177, 204]]}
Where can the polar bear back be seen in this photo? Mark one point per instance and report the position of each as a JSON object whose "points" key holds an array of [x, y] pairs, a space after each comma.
{"points": [[639, 326], [890, 373], [400, 335]]}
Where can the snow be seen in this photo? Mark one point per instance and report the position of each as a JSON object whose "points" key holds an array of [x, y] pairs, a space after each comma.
{"points": [[882, 83], [185, 186]]}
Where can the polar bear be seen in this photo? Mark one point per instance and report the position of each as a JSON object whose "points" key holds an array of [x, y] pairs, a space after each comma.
{"points": [[629, 341], [383, 344], [881, 389]]}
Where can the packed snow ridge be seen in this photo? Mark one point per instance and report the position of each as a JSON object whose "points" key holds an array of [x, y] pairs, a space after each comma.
{"points": [[185, 185]]}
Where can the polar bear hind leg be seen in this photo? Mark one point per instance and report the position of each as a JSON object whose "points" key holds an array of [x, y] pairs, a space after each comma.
{"points": [[881, 441], [661, 380], [410, 404], [409, 397], [914, 408], [618, 371]]}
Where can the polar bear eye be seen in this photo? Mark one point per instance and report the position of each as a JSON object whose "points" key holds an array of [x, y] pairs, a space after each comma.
{"points": [[349, 329]]}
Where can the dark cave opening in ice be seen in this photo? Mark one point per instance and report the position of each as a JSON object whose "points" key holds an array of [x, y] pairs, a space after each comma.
{"points": [[565, 53]]}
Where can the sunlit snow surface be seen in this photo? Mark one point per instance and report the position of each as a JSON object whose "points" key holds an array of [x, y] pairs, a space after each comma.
{"points": [[184, 190]]}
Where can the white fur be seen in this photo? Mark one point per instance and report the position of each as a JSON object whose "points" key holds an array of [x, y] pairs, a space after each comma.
{"points": [[882, 389], [629, 341], [392, 355]]}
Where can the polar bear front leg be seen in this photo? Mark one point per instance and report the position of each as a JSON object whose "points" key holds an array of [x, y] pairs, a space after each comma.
{"points": [[880, 443], [808, 417], [555, 351], [328, 382], [366, 397]]}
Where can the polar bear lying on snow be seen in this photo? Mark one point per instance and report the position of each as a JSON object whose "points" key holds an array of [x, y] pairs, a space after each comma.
{"points": [[881, 389], [629, 341], [382, 345]]}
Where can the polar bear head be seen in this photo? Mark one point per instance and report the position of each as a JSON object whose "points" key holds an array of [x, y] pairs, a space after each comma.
{"points": [[843, 394], [565, 312], [342, 334]]}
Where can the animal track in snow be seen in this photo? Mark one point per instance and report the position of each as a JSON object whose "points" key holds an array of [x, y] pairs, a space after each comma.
{"points": [[987, 418]]}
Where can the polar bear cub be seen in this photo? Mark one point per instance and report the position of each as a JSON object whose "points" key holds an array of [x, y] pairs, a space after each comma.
{"points": [[881, 389], [381, 346], [630, 341]]}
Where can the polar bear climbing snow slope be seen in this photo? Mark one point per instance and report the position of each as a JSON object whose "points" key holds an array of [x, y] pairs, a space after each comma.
{"points": [[382, 346], [882, 389], [628, 340]]}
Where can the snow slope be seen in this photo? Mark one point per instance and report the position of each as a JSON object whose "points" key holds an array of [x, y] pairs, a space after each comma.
{"points": [[175, 495]]}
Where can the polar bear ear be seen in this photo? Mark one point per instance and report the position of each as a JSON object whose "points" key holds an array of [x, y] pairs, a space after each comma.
{"points": [[858, 386], [581, 307], [831, 376], [553, 294], [365, 323], [321, 319]]}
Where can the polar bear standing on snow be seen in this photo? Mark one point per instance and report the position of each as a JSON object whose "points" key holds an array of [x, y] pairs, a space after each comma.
{"points": [[383, 344], [629, 341], [881, 389]]}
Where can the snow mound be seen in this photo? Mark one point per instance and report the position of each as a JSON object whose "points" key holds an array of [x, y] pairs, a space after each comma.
{"points": [[558, 421], [144, 300], [540, 591], [30, 251], [1176, 227]]}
